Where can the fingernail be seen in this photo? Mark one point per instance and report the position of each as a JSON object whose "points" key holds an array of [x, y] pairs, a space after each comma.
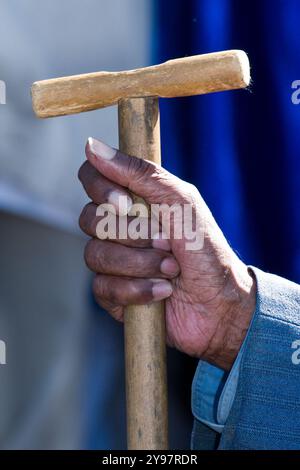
{"points": [[120, 201], [161, 290], [169, 266], [100, 149], [160, 241]]}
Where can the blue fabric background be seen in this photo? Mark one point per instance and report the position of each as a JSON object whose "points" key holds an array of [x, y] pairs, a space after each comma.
{"points": [[240, 148]]}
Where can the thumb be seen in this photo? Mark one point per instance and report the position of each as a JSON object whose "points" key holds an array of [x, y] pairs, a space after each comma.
{"points": [[144, 178]]}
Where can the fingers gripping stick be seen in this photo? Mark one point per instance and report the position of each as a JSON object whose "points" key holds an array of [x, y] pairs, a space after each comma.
{"points": [[136, 93]]}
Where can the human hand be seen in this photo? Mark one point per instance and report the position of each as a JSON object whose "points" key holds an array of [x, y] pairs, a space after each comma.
{"points": [[209, 293]]}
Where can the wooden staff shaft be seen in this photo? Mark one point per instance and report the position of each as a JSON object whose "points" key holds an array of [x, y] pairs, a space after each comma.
{"points": [[145, 347]]}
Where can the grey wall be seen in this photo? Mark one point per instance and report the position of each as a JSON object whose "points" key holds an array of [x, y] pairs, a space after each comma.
{"points": [[38, 40]]}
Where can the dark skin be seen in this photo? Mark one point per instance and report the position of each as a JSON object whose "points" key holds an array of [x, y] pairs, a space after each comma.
{"points": [[209, 293]]}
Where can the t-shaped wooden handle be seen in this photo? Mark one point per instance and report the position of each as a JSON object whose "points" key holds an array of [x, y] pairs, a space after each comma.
{"points": [[136, 92], [189, 76]]}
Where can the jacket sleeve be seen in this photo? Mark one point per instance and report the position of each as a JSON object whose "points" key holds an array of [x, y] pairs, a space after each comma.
{"points": [[265, 413]]}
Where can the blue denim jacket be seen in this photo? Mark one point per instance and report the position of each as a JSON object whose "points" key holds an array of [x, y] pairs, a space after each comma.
{"points": [[257, 405]]}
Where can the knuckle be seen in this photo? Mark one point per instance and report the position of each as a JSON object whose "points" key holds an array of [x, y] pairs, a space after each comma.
{"points": [[97, 288], [192, 188], [82, 221], [98, 256], [116, 311], [85, 218], [98, 190], [104, 290], [89, 254], [82, 171], [94, 189], [189, 193]]}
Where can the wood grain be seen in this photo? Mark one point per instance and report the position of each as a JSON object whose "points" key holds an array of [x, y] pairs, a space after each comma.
{"points": [[145, 342], [188, 76]]}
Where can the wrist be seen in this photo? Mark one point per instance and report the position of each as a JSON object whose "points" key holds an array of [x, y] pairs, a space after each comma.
{"points": [[236, 311]]}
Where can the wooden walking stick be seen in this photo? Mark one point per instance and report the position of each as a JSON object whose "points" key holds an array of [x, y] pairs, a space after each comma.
{"points": [[136, 92]]}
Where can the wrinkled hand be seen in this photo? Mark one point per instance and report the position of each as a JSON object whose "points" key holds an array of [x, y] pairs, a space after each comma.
{"points": [[209, 292]]}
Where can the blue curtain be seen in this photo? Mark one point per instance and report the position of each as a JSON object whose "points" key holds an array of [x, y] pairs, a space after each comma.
{"points": [[240, 148]]}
